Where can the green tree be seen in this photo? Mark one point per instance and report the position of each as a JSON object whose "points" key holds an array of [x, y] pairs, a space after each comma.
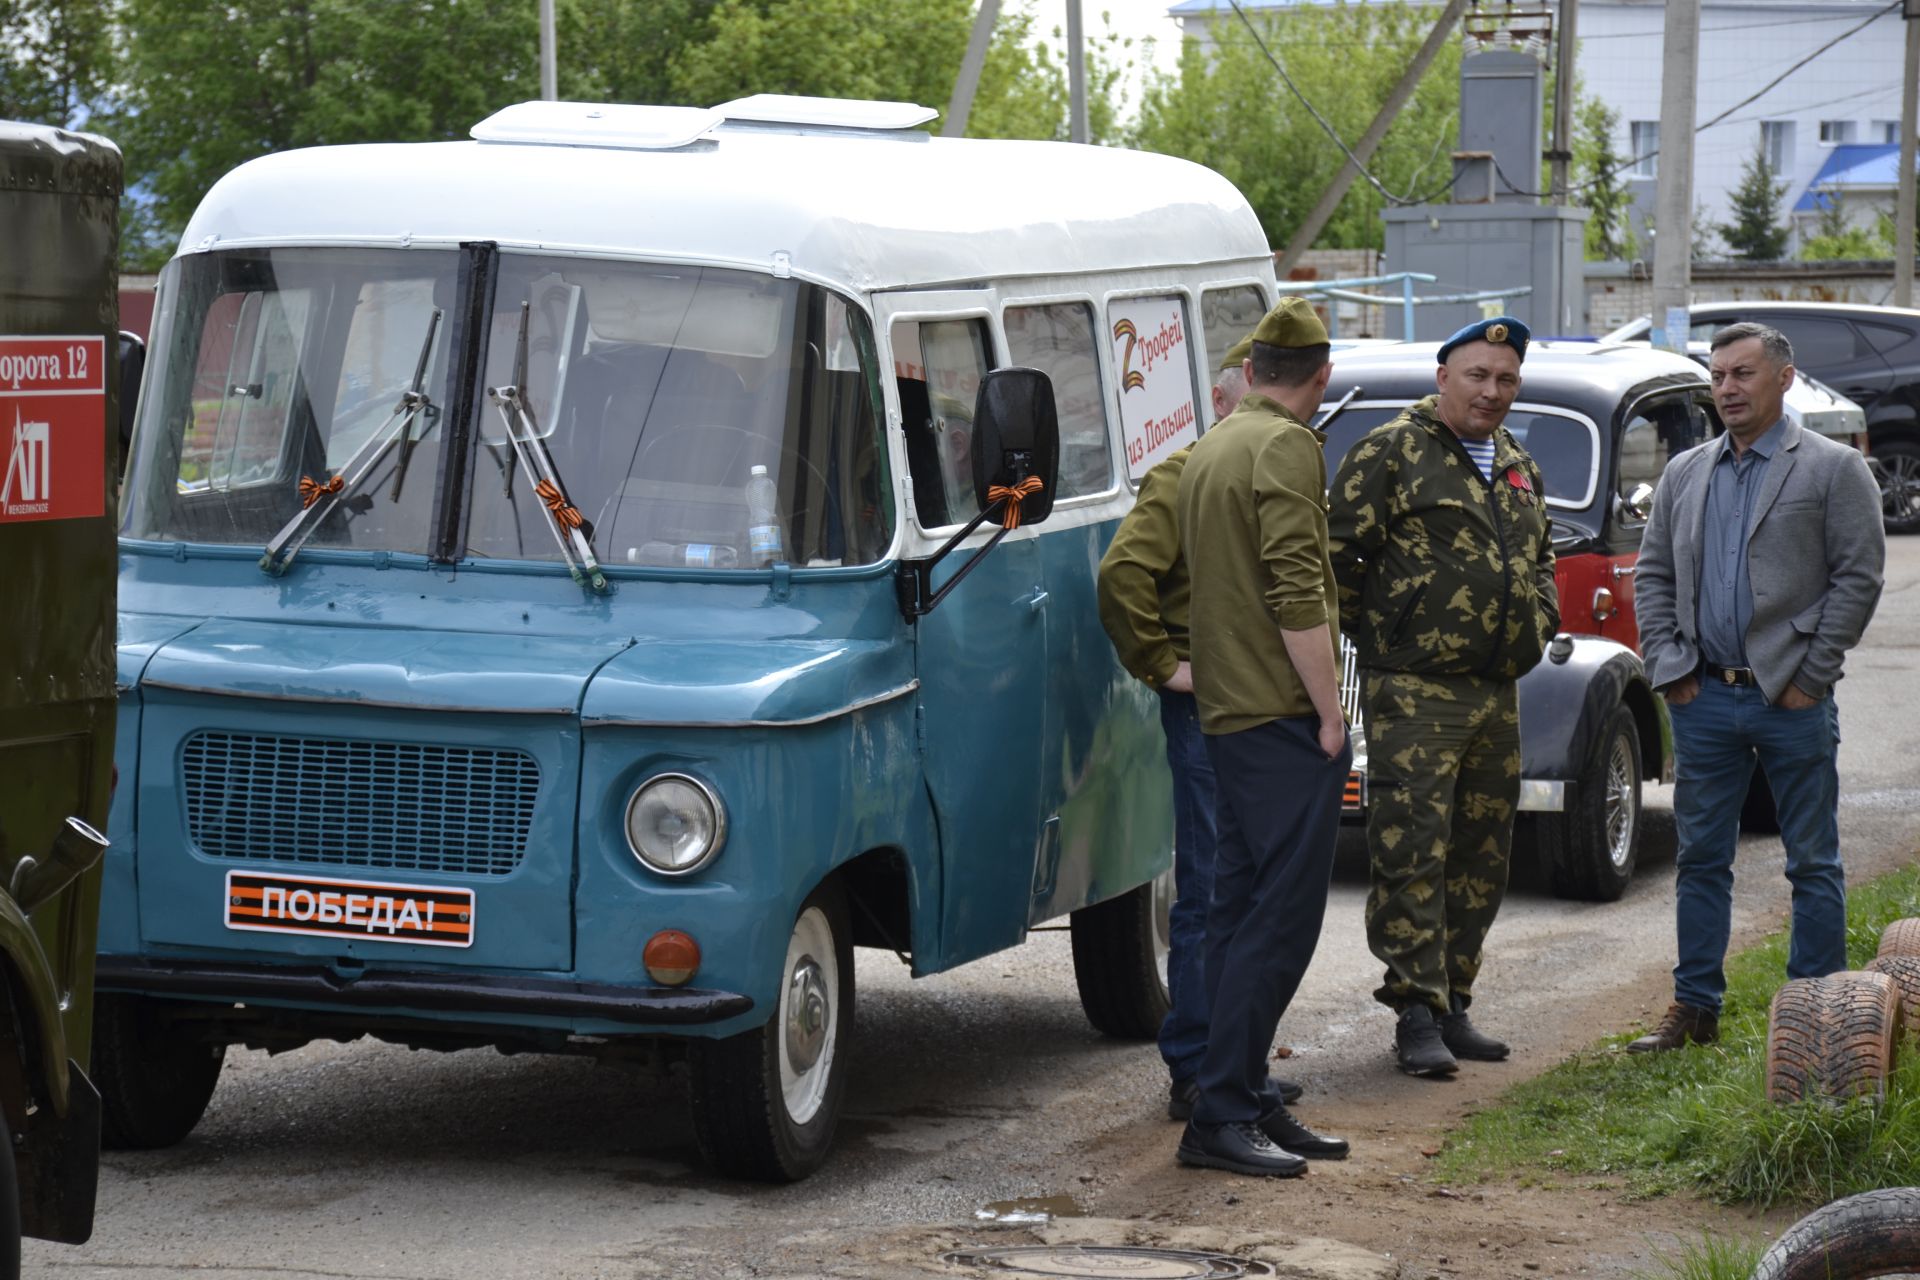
{"points": [[56, 58], [1227, 109], [1835, 237], [1755, 232], [1597, 169]]}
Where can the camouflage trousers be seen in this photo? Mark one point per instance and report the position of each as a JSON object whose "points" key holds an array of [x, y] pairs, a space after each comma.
{"points": [[1443, 783]]}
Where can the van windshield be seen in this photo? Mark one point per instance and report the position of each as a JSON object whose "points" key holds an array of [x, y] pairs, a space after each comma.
{"points": [[694, 416]]}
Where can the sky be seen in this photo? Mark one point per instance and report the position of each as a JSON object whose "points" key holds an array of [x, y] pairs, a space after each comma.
{"points": [[1138, 19]]}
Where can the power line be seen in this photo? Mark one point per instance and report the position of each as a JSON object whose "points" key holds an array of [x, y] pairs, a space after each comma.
{"points": [[1327, 125], [1749, 100]]}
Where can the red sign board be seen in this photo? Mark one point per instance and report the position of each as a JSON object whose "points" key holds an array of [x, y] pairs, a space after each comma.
{"points": [[53, 428]]}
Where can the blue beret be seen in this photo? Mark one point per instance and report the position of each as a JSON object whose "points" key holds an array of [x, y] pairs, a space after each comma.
{"points": [[1499, 329]]}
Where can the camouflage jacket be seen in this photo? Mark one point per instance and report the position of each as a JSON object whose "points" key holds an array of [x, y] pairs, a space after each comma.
{"points": [[1439, 570]]}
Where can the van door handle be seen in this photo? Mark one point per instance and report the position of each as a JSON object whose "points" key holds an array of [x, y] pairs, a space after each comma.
{"points": [[1037, 601], [1624, 571]]}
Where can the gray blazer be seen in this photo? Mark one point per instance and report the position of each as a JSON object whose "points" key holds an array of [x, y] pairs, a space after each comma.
{"points": [[1816, 552]]}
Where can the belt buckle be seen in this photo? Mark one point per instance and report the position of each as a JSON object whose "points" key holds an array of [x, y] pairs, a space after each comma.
{"points": [[1729, 675]]}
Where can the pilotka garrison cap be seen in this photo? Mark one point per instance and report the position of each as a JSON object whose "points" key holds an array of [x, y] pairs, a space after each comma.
{"points": [[1500, 329], [1291, 324], [1236, 354]]}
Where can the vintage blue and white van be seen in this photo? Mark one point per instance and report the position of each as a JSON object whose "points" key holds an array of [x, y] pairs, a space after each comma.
{"points": [[568, 600]]}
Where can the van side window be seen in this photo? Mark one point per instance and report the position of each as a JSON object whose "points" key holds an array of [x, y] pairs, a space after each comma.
{"points": [[1058, 339], [1228, 315], [939, 364]]}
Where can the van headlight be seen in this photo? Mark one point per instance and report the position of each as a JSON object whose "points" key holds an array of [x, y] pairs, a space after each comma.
{"points": [[675, 824]]}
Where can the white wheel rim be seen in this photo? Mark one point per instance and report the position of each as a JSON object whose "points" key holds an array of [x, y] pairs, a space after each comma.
{"points": [[1163, 890], [808, 1023]]}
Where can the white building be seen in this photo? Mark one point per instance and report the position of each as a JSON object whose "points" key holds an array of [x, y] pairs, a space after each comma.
{"points": [[1848, 94]]}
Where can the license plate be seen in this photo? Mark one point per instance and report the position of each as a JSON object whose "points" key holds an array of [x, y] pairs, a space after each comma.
{"points": [[425, 915]]}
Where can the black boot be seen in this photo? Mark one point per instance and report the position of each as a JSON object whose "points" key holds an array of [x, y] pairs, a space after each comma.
{"points": [[1464, 1040], [1417, 1043]]}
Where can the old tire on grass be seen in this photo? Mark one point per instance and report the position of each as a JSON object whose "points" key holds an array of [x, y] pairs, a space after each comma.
{"points": [[1120, 960], [1905, 972], [1876, 1233], [155, 1074], [1901, 938], [1589, 850], [765, 1102], [1832, 1037]]}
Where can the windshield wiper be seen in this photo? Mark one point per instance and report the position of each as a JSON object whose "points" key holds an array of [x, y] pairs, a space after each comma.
{"points": [[570, 529], [322, 499], [1339, 407]]}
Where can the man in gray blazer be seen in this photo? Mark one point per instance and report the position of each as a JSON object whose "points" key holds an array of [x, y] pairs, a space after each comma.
{"points": [[1761, 566]]}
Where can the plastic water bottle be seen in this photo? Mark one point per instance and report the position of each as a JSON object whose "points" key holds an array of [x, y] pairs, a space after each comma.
{"points": [[710, 555], [765, 541]]}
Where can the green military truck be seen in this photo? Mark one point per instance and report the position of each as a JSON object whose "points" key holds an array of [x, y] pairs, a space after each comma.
{"points": [[59, 389]]}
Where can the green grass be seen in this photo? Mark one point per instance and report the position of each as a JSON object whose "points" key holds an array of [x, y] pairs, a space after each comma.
{"points": [[1714, 1258], [1699, 1119]]}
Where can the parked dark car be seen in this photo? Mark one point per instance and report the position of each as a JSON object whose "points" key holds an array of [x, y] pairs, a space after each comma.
{"points": [[1871, 355], [1601, 421]]}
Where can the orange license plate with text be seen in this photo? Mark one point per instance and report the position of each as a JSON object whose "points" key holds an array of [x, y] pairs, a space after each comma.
{"points": [[426, 915]]}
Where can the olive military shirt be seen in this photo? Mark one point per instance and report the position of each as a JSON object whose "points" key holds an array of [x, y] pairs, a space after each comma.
{"points": [[1441, 570], [1143, 578], [1253, 523]]}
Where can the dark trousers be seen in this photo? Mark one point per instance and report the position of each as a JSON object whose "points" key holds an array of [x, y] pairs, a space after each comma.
{"points": [[1183, 1036], [1278, 816]]}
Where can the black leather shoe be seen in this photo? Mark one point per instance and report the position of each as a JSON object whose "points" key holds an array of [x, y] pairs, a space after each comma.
{"points": [[1182, 1093], [1238, 1148], [1464, 1040], [1418, 1046], [1290, 1135]]}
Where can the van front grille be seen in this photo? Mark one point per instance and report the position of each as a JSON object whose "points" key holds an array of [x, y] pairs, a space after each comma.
{"points": [[395, 805]]}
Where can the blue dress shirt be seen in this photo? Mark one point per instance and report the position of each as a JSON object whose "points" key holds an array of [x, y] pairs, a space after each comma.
{"points": [[1725, 603]]}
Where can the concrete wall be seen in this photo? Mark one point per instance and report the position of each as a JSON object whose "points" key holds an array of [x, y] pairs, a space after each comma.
{"points": [[1618, 292]]}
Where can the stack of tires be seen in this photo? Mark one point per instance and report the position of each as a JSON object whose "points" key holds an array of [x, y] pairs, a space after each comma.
{"points": [[1834, 1037]]}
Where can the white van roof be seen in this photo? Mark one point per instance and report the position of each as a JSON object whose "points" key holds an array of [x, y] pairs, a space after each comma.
{"points": [[863, 208]]}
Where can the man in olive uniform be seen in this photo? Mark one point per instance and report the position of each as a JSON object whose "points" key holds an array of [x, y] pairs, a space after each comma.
{"points": [[1444, 556], [1143, 605], [1264, 619]]}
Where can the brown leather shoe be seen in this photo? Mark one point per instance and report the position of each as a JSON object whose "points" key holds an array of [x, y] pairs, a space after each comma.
{"points": [[1683, 1024]]}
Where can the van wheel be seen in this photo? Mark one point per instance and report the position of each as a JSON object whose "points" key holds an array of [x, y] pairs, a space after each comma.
{"points": [[1876, 1233], [1589, 850], [1832, 1037], [1120, 960], [765, 1102], [155, 1077], [1758, 814], [9, 1207]]}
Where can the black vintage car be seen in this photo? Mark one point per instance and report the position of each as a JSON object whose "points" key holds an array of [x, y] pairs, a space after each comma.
{"points": [[1601, 421]]}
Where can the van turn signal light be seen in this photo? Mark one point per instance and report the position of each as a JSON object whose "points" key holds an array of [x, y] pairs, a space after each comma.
{"points": [[671, 957], [1603, 605]]}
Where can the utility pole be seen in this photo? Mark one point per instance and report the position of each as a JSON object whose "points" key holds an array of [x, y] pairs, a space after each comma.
{"points": [[549, 65], [1309, 231], [1076, 75], [1673, 196], [1903, 222], [960, 106], [1563, 77]]}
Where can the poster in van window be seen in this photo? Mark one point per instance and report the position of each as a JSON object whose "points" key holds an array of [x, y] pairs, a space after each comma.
{"points": [[1155, 368], [53, 428]]}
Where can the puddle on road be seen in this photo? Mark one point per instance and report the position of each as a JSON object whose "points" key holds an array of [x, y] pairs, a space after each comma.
{"points": [[1030, 1209]]}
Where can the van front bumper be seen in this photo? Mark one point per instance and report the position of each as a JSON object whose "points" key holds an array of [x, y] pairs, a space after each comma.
{"points": [[418, 990]]}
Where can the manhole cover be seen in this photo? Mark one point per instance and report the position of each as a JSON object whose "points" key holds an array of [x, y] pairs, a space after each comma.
{"points": [[1096, 1262]]}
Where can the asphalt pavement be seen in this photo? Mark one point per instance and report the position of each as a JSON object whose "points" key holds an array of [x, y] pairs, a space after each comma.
{"points": [[968, 1090]]}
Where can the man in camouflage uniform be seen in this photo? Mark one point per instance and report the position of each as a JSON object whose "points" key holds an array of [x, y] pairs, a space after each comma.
{"points": [[1144, 592], [1442, 549]]}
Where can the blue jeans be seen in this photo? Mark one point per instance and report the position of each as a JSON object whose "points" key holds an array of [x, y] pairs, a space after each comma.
{"points": [[1183, 1036], [1716, 739]]}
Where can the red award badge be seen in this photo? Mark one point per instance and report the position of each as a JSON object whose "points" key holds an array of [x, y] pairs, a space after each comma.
{"points": [[1518, 480]]}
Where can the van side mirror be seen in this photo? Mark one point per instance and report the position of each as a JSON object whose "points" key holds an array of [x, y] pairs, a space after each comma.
{"points": [[133, 365], [1016, 437], [1016, 462]]}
